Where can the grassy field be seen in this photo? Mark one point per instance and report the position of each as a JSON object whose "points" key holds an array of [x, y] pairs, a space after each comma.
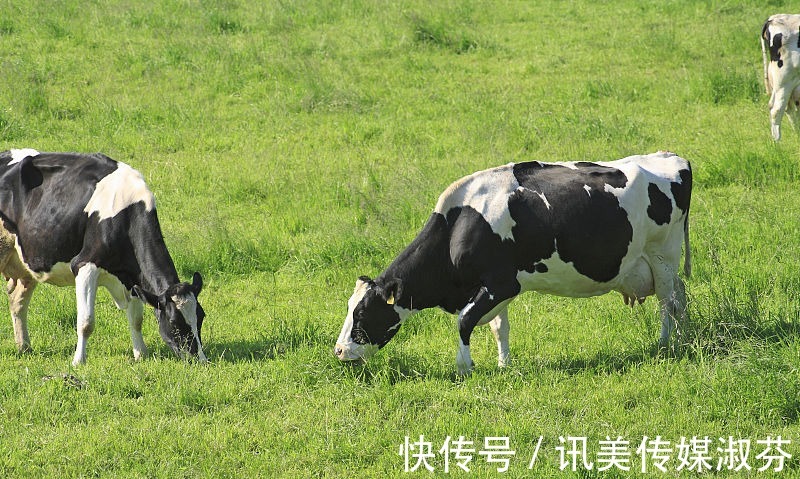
{"points": [[295, 145]]}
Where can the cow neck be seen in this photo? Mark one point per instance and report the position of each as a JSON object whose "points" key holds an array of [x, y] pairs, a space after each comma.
{"points": [[423, 268], [157, 271]]}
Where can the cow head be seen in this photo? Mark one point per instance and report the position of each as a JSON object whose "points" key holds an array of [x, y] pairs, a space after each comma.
{"points": [[179, 315], [372, 320]]}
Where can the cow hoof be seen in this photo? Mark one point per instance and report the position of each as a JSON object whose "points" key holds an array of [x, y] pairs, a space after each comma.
{"points": [[465, 369], [78, 361], [503, 362], [24, 349]]}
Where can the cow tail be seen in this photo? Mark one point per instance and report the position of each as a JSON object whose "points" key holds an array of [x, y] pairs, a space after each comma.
{"points": [[687, 256], [764, 46]]}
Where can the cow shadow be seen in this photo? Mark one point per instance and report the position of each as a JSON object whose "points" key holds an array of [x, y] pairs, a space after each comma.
{"points": [[245, 351], [607, 362], [694, 343]]}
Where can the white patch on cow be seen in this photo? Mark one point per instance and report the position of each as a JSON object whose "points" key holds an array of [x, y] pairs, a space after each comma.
{"points": [[487, 193], [187, 305], [662, 164], [544, 198], [120, 189], [21, 154], [403, 313], [561, 279], [59, 275], [588, 189], [346, 349]]}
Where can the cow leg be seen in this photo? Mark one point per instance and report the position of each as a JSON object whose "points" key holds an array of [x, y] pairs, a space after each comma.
{"points": [[483, 307], [134, 311], [500, 328], [793, 109], [20, 292], [671, 293], [778, 102], [85, 292]]}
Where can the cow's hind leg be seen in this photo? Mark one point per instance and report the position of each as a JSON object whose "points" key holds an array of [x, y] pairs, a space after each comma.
{"points": [[20, 292], [483, 307], [85, 292], [778, 103], [500, 328], [671, 293], [793, 109]]}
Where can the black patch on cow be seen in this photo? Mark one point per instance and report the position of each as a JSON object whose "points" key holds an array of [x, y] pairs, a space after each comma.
{"points": [[29, 175], [423, 271], [774, 49], [540, 268], [479, 256], [589, 228], [660, 209], [682, 192], [374, 320]]}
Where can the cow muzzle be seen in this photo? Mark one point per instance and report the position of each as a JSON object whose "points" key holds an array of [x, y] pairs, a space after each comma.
{"points": [[353, 353], [343, 353]]}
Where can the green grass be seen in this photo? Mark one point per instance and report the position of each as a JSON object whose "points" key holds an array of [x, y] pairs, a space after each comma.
{"points": [[294, 146]]}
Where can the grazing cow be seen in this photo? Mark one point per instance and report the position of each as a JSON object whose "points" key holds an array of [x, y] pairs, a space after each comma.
{"points": [[570, 229], [89, 221], [781, 38]]}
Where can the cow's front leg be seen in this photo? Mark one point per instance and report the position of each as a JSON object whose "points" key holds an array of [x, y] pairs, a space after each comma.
{"points": [[85, 292], [135, 318], [20, 292], [500, 328], [483, 307]]}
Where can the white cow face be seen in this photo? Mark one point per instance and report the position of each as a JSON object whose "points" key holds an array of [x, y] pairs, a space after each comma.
{"points": [[372, 320], [179, 315]]}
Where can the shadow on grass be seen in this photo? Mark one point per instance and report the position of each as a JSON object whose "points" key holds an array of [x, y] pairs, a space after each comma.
{"points": [[606, 362], [249, 351], [717, 326], [394, 369], [729, 317]]}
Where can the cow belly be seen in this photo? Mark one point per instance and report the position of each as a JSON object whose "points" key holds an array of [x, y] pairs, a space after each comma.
{"points": [[561, 279], [59, 275]]}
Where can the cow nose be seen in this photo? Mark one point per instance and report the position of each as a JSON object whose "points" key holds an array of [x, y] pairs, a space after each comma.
{"points": [[338, 351]]}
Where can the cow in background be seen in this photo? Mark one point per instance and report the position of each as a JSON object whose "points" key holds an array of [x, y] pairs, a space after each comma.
{"points": [[89, 221], [780, 38]]}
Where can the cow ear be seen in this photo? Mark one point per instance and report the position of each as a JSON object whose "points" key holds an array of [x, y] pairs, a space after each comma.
{"points": [[29, 175], [146, 296], [197, 283], [391, 291]]}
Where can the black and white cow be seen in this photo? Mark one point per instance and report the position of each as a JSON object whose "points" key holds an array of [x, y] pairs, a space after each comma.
{"points": [[89, 221], [570, 229], [780, 38]]}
